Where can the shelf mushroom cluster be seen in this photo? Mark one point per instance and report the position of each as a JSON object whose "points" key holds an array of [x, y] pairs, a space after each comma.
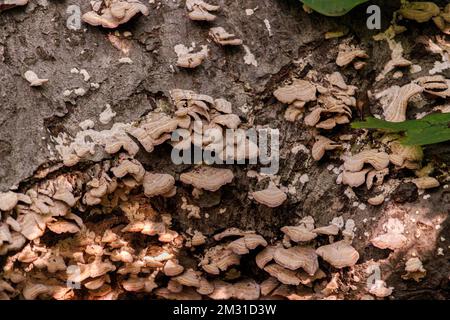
{"points": [[297, 264]]}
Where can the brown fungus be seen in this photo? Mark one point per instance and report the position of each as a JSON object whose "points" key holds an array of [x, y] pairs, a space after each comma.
{"points": [[222, 37], [271, 197], [339, 254], [198, 10], [115, 13], [297, 257], [207, 178]]}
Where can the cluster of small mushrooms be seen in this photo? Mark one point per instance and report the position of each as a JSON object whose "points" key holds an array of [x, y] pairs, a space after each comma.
{"points": [[88, 260], [198, 10]]}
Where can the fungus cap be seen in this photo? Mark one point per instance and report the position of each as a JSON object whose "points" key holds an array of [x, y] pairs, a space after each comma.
{"points": [[339, 254], [271, 197], [297, 257], [207, 178]]}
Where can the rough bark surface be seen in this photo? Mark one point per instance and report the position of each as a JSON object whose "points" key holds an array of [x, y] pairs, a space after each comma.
{"points": [[36, 38]]}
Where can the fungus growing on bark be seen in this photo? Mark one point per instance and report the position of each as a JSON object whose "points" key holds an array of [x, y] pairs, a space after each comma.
{"points": [[377, 200], [154, 130], [335, 101], [339, 254], [156, 184], [33, 79], [189, 59], [198, 239], [405, 156], [395, 101], [115, 13], [353, 179], [426, 183], [330, 230], [246, 243], [62, 226], [297, 257], [222, 37], [437, 85], [299, 233], [219, 258], [393, 238], [207, 178], [378, 160], [271, 197], [8, 200], [282, 274], [419, 11], [265, 256], [296, 96], [198, 10], [321, 145], [347, 54], [443, 20], [414, 270]]}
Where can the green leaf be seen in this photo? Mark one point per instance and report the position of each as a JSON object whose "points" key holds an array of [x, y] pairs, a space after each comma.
{"points": [[333, 8], [434, 128]]}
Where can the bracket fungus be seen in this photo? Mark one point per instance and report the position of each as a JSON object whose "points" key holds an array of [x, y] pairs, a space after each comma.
{"points": [[437, 85], [8, 200], [198, 10], [265, 256], [354, 174], [426, 183], [115, 13], [299, 233], [414, 270], [321, 145], [330, 230], [339, 254], [189, 59], [33, 79], [207, 178], [336, 100], [222, 37], [395, 101], [297, 257], [404, 155], [442, 21], [393, 238], [419, 11], [271, 197], [282, 274], [347, 54], [296, 96], [156, 184], [378, 160], [376, 201], [219, 258]]}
